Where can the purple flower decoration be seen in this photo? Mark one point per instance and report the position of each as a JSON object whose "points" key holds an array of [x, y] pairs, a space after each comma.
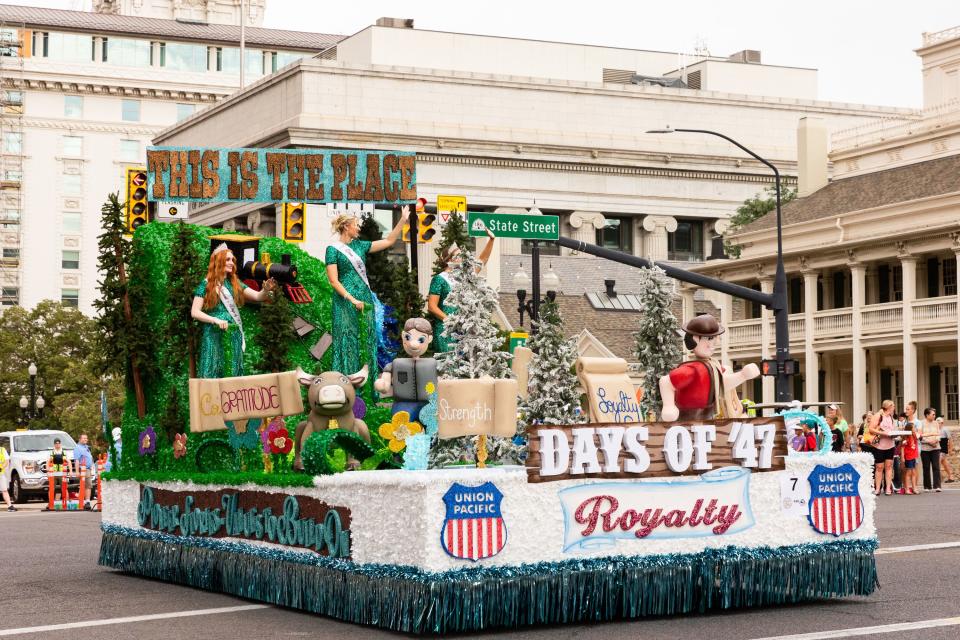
{"points": [[267, 434], [359, 408], [147, 441]]}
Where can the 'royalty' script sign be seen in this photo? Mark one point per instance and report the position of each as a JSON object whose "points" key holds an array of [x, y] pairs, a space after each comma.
{"points": [[276, 175], [295, 521], [654, 448], [597, 514], [216, 400]]}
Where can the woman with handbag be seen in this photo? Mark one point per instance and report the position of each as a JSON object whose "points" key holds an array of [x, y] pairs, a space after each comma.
{"points": [[880, 426]]}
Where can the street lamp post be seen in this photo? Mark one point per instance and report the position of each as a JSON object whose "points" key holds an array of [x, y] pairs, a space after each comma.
{"points": [[33, 408], [532, 306], [779, 297]]}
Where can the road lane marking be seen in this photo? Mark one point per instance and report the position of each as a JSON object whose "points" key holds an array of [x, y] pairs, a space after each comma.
{"points": [[918, 547], [108, 621], [866, 631]]}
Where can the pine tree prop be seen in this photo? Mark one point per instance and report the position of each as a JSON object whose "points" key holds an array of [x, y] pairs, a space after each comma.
{"points": [[552, 376], [185, 272], [120, 344], [454, 233], [659, 346], [476, 352], [276, 329], [379, 268], [404, 297]]}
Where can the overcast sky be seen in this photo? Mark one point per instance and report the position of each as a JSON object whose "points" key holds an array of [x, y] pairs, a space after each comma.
{"points": [[863, 50]]}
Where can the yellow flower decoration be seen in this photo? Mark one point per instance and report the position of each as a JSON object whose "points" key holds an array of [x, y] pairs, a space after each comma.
{"points": [[398, 430], [430, 388]]}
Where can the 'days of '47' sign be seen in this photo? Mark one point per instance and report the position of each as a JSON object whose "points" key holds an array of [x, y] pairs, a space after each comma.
{"points": [[279, 175]]}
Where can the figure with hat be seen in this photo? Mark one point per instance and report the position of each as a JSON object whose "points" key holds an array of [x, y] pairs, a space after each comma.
{"points": [[347, 273], [701, 389], [442, 284], [217, 306]]}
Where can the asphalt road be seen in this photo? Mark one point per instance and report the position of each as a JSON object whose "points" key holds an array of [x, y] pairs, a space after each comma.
{"points": [[49, 576]]}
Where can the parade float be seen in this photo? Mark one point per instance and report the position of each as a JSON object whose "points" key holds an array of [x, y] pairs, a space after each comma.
{"points": [[286, 451]]}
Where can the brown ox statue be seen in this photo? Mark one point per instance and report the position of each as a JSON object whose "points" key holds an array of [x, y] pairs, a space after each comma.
{"points": [[330, 396]]}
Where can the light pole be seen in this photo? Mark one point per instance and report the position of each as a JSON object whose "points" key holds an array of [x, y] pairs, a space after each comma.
{"points": [[532, 307], [33, 408], [779, 298]]}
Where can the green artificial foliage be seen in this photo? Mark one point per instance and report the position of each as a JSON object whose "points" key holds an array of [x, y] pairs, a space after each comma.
{"points": [[276, 334], [213, 478], [755, 208], [188, 268], [659, 347], [175, 418], [452, 233], [112, 266]]}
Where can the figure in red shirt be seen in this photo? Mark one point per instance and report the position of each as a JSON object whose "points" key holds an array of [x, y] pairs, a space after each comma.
{"points": [[702, 389]]}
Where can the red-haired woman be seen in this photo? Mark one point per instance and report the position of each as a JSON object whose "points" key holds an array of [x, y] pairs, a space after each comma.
{"points": [[216, 306]]}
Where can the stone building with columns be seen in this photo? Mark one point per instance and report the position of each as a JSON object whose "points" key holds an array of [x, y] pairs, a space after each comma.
{"points": [[871, 257], [540, 126]]}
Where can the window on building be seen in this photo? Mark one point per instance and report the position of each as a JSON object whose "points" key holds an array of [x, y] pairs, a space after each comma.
{"points": [[130, 110], [686, 243], [898, 286], [951, 387], [11, 253], [71, 222], [795, 295], [128, 52], [185, 57], [254, 63], [12, 175], [13, 102], [66, 47], [617, 233], [283, 58], [839, 292], [70, 259], [9, 38], [10, 296], [72, 106], [72, 146], [70, 297], [130, 150], [950, 277], [12, 142], [72, 184], [184, 111]]}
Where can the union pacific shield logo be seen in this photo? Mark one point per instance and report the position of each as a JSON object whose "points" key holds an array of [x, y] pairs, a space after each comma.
{"points": [[835, 504], [474, 528]]}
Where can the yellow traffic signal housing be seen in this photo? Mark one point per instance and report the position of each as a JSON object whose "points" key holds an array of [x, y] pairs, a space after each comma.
{"points": [[425, 230], [138, 209], [294, 221]]}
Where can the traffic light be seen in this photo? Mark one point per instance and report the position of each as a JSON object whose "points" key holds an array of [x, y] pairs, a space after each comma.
{"points": [[294, 221], [771, 368], [138, 209], [425, 230]]}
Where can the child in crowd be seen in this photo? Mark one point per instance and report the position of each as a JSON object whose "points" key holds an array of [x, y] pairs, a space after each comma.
{"points": [[910, 450]]}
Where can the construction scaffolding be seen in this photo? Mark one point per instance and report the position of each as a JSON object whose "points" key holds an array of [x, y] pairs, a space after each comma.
{"points": [[12, 52]]}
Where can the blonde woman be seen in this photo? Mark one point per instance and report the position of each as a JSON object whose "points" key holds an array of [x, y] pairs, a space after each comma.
{"points": [[347, 273], [879, 426], [930, 450]]}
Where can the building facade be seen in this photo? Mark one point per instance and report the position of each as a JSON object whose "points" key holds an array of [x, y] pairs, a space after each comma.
{"points": [[871, 257], [83, 94], [519, 126]]}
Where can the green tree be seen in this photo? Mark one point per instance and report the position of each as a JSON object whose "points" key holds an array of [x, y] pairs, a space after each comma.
{"points": [[62, 342], [755, 208], [454, 233], [403, 296], [379, 268], [186, 271]]}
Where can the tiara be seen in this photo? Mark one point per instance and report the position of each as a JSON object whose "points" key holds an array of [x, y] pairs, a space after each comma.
{"points": [[220, 247]]}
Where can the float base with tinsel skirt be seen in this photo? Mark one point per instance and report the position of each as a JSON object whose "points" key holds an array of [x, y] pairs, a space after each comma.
{"points": [[472, 549]]}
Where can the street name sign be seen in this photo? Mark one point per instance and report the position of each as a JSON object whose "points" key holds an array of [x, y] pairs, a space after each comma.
{"points": [[509, 225]]}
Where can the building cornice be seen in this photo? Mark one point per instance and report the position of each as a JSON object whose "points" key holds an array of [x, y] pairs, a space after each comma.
{"points": [[91, 126], [92, 88]]}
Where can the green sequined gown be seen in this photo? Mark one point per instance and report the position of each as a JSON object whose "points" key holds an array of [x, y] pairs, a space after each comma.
{"points": [[346, 318], [212, 352], [440, 287]]}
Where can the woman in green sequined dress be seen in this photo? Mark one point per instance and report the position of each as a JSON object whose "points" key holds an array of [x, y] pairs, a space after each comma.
{"points": [[440, 287], [216, 306], [346, 271]]}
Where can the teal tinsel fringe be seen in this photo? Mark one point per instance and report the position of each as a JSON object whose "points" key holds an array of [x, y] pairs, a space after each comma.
{"points": [[472, 599]]}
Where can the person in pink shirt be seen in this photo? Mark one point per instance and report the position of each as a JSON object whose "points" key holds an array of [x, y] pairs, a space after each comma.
{"points": [[880, 426]]}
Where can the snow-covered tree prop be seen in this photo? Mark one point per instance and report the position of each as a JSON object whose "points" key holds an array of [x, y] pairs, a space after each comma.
{"points": [[556, 399], [477, 343], [659, 345], [476, 352]]}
